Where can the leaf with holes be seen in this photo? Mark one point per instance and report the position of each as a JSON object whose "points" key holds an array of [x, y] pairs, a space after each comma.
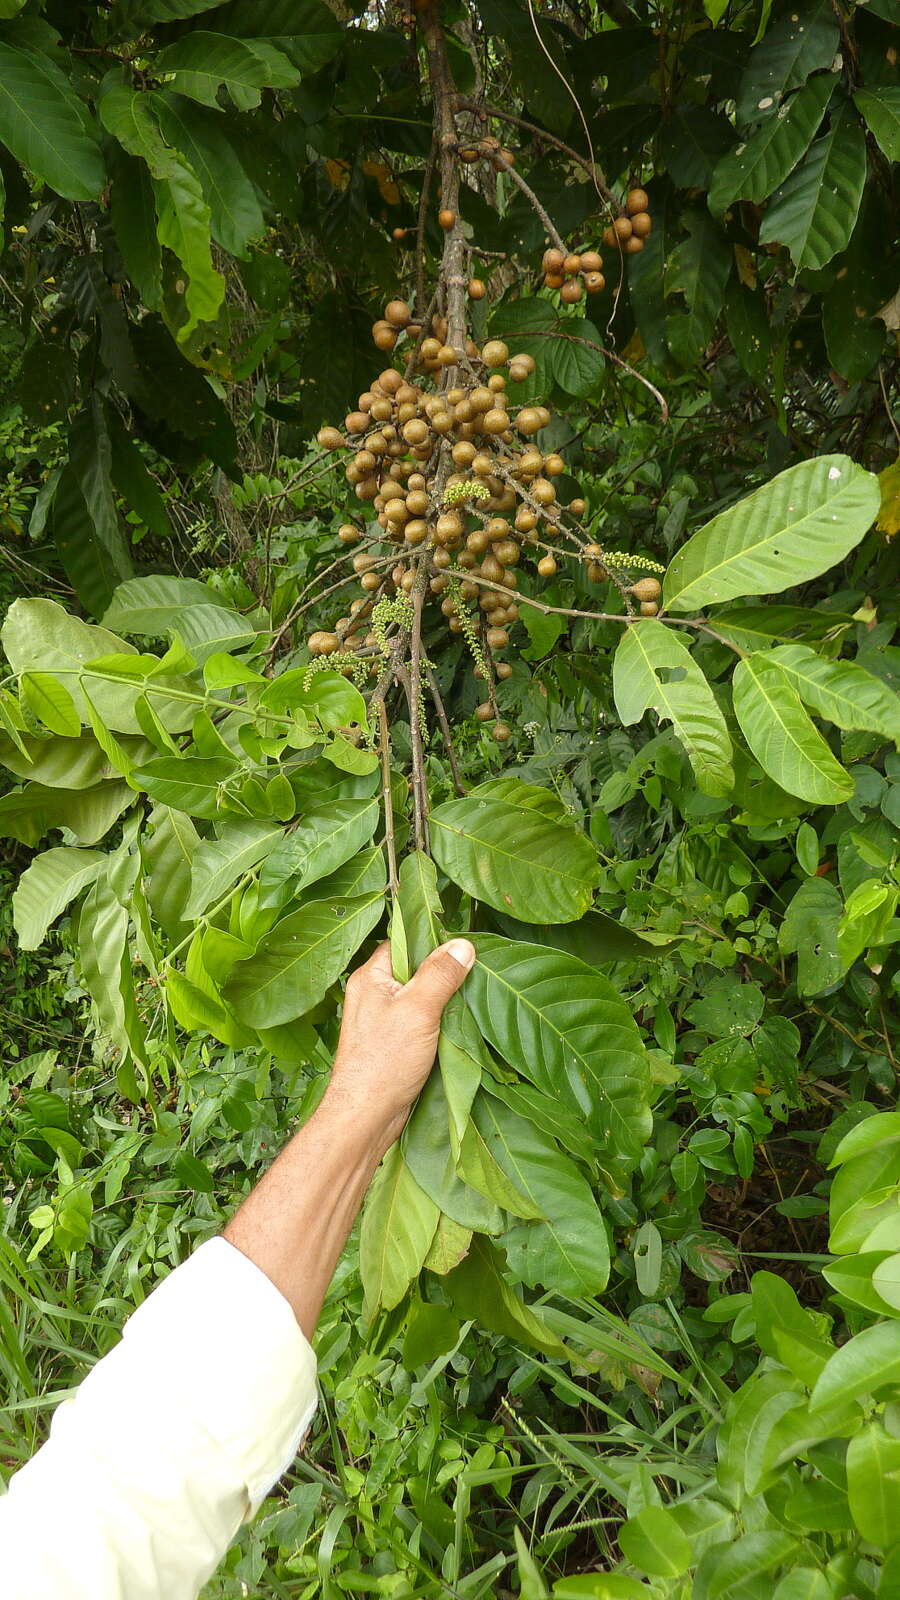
{"points": [[654, 669], [755, 168]]}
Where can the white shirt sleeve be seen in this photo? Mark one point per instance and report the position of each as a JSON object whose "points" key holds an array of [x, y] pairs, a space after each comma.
{"points": [[169, 1444]]}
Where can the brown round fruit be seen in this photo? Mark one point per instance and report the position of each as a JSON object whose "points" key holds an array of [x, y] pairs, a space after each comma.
{"points": [[646, 589], [447, 218], [610, 238], [528, 421], [495, 420], [502, 669], [477, 289], [552, 260], [622, 228], [356, 421], [636, 200], [500, 731], [546, 566], [485, 711], [591, 261], [330, 439], [642, 225], [495, 353], [577, 507], [594, 282], [570, 293], [572, 264], [633, 245], [397, 313], [384, 337], [649, 608], [497, 638]]}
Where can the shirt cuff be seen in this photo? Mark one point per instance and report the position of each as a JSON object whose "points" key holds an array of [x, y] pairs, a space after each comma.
{"points": [[222, 1343]]}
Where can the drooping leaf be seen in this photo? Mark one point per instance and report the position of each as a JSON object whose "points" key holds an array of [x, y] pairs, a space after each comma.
{"points": [[514, 858], [157, 605], [107, 970], [755, 168], [300, 959], [478, 1289], [563, 1026], [48, 886], [568, 1251], [200, 64], [235, 213], [653, 668], [815, 211], [133, 480], [427, 1153], [781, 735], [420, 909], [325, 837], [398, 1226], [168, 847], [790, 530], [881, 109], [698, 270], [804, 40], [88, 813], [46, 126]]}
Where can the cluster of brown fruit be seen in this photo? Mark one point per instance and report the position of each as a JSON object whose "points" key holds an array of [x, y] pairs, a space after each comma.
{"points": [[455, 485], [562, 272], [635, 224]]}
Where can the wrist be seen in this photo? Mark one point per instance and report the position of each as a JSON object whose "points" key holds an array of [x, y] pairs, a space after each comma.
{"points": [[364, 1129]]}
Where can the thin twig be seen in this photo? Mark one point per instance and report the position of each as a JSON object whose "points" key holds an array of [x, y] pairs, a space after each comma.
{"points": [[531, 197], [389, 840], [445, 729], [549, 138]]}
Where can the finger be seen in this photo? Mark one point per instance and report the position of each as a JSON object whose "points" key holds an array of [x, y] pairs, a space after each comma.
{"points": [[442, 973], [378, 969]]}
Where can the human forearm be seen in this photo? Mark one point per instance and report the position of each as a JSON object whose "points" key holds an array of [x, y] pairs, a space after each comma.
{"points": [[296, 1222]]}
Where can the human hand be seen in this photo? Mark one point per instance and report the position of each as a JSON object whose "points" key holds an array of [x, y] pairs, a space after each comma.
{"points": [[389, 1036]]}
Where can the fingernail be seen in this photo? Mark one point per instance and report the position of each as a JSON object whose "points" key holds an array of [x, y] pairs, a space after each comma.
{"points": [[462, 951]]}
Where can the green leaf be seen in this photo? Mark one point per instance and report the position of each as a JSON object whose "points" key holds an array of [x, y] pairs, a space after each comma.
{"points": [[106, 968], [728, 1570], [783, 739], [802, 41], [843, 692], [200, 64], [462, 1058], [329, 698], [866, 1363], [478, 1167], [187, 783], [47, 887], [478, 1289], [306, 30], [790, 530], [134, 482], [755, 168], [46, 125], [88, 813], [881, 109], [218, 863], [183, 225], [398, 1226], [562, 1025], [810, 931], [815, 211], [515, 859], [168, 847], [578, 368], [873, 1484], [235, 213], [567, 1251], [51, 703], [427, 1153], [653, 1542], [134, 223], [296, 964], [698, 268], [324, 838], [420, 909], [531, 1584], [431, 1330], [653, 667]]}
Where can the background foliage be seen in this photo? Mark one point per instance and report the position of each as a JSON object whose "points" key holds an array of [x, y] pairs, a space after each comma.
{"points": [[673, 1081]]}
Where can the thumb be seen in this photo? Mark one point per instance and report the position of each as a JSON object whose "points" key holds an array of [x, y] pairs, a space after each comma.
{"points": [[442, 973]]}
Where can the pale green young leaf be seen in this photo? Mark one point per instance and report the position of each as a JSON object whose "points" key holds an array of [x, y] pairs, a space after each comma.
{"points": [[106, 968], [427, 1153], [478, 1289], [653, 668], [420, 907], [47, 886], [168, 847], [781, 735], [873, 1484], [51, 703], [514, 858], [183, 225], [790, 530], [653, 1542], [197, 134], [866, 1363], [187, 783]]}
